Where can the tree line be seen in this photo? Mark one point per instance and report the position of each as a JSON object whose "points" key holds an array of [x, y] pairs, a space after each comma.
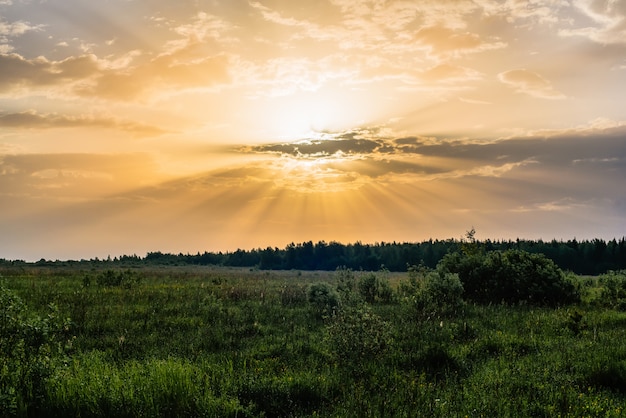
{"points": [[582, 257]]}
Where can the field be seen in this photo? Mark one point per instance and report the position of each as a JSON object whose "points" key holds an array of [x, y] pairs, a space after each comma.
{"points": [[219, 342]]}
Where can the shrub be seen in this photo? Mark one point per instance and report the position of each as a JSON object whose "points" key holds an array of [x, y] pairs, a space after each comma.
{"points": [[357, 334], [368, 287], [30, 348], [440, 295], [324, 299], [112, 278], [347, 287], [613, 288], [511, 276], [434, 294], [374, 289]]}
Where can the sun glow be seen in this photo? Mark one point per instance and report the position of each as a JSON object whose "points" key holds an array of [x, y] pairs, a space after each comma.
{"points": [[302, 115], [316, 174]]}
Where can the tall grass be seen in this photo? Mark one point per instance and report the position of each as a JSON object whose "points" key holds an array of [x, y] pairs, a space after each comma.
{"points": [[94, 386], [225, 342]]}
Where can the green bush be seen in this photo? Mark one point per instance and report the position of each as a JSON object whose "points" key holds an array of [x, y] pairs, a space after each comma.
{"points": [[347, 287], [511, 276], [30, 350], [374, 289], [112, 278], [613, 289], [357, 334], [434, 294], [324, 299]]}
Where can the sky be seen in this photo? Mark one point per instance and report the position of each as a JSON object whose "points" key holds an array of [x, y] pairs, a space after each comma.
{"points": [[130, 126]]}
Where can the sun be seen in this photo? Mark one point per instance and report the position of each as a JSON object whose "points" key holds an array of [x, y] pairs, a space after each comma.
{"points": [[302, 114]]}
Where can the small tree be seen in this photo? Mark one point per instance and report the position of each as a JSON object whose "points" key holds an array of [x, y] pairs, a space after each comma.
{"points": [[614, 289], [434, 294], [347, 286], [324, 299], [375, 289], [510, 276], [368, 287]]}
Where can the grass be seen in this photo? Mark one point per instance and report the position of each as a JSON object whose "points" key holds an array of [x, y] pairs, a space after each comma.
{"points": [[217, 342]]}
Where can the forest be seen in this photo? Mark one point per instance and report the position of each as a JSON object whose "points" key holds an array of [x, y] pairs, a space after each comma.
{"points": [[590, 257]]}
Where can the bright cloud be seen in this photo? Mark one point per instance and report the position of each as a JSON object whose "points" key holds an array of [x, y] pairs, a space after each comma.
{"points": [[609, 21], [531, 83]]}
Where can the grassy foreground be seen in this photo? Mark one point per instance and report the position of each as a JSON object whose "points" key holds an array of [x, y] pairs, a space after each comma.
{"points": [[187, 342]]}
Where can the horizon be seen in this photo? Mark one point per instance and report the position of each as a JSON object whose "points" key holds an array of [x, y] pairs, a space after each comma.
{"points": [[112, 257], [128, 127]]}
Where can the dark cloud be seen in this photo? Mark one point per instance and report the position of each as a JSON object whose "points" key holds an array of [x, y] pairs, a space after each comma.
{"points": [[33, 120], [565, 158], [19, 72], [321, 148], [548, 148]]}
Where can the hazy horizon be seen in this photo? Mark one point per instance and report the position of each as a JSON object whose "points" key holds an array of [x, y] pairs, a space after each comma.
{"points": [[128, 126]]}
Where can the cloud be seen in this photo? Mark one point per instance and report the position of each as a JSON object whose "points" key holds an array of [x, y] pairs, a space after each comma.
{"points": [[449, 73], [362, 141], [87, 76], [474, 101], [392, 28], [17, 28], [565, 160], [33, 120], [603, 127], [566, 204], [205, 26], [10, 30], [399, 15], [184, 63], [609, 18], [21, 73], [531, 83], [323, 148], [541, 11], [160, 75], [345, 35], [71, 176], [283, 76], [443, 41], [599, 138]]}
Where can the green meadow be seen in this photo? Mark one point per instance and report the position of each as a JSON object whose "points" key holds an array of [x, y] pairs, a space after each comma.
{"points": [[227, 342]]}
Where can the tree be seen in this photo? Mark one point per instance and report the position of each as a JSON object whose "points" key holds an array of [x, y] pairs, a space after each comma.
{"points": [[511, 276]]}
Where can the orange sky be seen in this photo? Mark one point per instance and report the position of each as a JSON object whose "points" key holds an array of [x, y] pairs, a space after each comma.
{"points": [[129, 126]]}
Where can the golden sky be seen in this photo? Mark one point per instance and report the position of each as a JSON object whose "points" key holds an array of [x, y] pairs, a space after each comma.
{"points": [[129, 126]]}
